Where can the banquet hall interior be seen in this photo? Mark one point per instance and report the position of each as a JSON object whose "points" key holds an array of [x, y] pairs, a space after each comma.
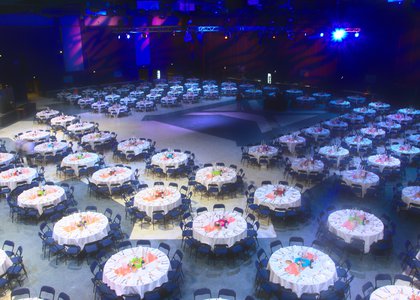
{"points": [[209, 149]]}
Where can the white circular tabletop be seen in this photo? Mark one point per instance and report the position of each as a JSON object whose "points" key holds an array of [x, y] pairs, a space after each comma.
{"points": [[277, 196], [216, 175], [157, 198]]}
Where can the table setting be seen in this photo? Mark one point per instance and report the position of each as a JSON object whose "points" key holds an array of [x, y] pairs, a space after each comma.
{"points": [[306, 99], [361, 177], [414, 138], [47, 114], [405, 149], [96, 137], [62, 121], [136, 145], [370, 112], [53, 147], [100, 105], [317, 131], [11, 177], [358, 141], [6, 158], [75, 160], [157, 198], [400, 118], [214, 228], [389, 125], [372, 131], [169, 158], [340, 103], [353, 118], [34, 135], [81, 127], [39, 197], [83, 102], [81, 228], [334, 151], [379, 106], [395, 292], [409, 111], [322, 96], [307, 165], [277, 196], [384, 161], [411, 195], [112, 98], [336, 124], [5, 262], [302, 269], [262, 150], [128, 101], [291, 141], [216, 175], [112, 175], [294, 92], [354, 223]]}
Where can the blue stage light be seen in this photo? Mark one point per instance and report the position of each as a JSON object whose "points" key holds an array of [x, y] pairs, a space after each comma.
{"points": [[356, 35], [339, 34], [321, 34], [128, 36]]}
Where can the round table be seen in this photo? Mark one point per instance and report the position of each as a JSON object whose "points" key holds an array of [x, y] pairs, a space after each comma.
{"points": [[157, 198], [391, 292], [307, 165], [389, 125], [6, 158], [112, 175], [136, 94], [262, 150], [336, 124], [47, 114], [133, 144], [39, 197], [73, 98], [86, 101], [81, 127], [365, 111], [34, 135], [216, 175], [372, 131], [353, 118], [409, 150], [206, 231], [383, 161], [306, 100], [229, 90], [414, 138], [321, 95], [5, 262], [167, 100], [153, 97], [379, 106], [334, 152], [356, 99], [75, 160], [400, 118], [169, 158], [50, 147], [277, 196], [128, 100], [96, 137], [62, 120], [350, 223], [302, 269], [358, 141], [117, 109], [100, 105], [294, 92], [363, 178], [123, 273], [112, 98], [409, 111], [411, 194], [340, 103], [317, 132], [143, 104], [291, 141], [11, 177], [81, 228]]}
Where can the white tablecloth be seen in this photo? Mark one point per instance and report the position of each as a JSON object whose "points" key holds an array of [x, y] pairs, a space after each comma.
{"points": [[136, 94], [157, 198], [215, 175], [405, 149], [285, 271], [50, 147], [100, 137], [6, 158], [120, 276], [383, 161], [379, 106], [11, 177], [414, 138], [411, 194], [316, 132], [364, 178], [307, 165], [294, 92], [321, 95], [34, 135], [81, 127], [75, 160], [5, 262], [306, 99], [347, 224], [291, 141], [389, 125], [128, 100], [395, 292], [47, 113], [112, 175], [400, 118], [86, 101], [277, 196], [133, 144], [62, 120], [117, 109], [36, 198], [358, 141], [340, 103], [372, 131], [353, 118], [205, 231], [409, 111], [81, 228], [112, 97], [100, 105], [263, 150], [364, 111], [356, 99], [335, 123], [332, 151], [169, 158]]}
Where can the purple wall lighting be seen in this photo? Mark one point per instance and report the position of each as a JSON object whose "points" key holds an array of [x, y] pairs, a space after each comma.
{"points": [[72, 44]]}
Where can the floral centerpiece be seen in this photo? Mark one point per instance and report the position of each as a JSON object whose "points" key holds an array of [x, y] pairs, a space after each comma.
{"points": [[169, 155], [82, 223], [307, 162], [359, 218], [298, 264], [41, 192], [263, 148], [159, 193], [217, 172], [407, 147], [112, 172], [137, 263], [221, 223], [279, 191], [17, 172], [80, 155]]}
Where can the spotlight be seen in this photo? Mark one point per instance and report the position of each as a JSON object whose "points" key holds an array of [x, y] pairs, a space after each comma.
{"points": [[61, 51], [173, 33], [273, 37], [321, 34], [34, 77], [226, 36], [356, 35], [339, 34], [119, 36], [128, 36], [305, 33]]}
